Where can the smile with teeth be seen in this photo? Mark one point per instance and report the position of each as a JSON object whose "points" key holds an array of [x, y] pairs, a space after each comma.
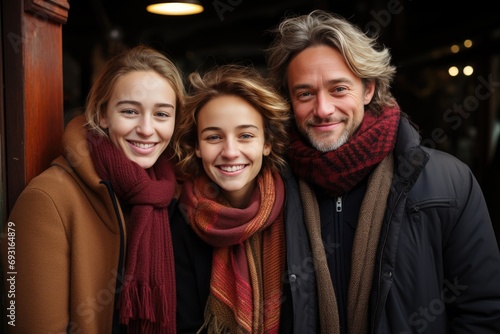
{"points": [[232, 168], [142, 146]]}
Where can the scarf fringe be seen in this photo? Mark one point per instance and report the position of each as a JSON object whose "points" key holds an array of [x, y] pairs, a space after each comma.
{"points": [[125, 306], [214, 325], [140, 301]]}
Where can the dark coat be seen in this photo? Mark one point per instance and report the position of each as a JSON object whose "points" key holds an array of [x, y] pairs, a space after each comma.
{"points": [[438, 263], [437, 267]]}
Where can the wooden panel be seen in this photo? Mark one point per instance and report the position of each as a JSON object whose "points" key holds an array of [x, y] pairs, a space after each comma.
{"points": [[12, 43], [44, 117], [34, 120], [56, 10], [3, 204]]}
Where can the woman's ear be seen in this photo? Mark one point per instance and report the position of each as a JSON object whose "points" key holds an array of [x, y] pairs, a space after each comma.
{"points": [[197, 151], [103, 122], [267, 149]]}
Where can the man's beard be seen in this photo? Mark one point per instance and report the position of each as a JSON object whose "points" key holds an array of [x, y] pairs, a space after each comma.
{"points": [[325, 145]]}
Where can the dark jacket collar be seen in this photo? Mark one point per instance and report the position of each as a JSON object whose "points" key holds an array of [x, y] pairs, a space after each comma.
{"points": [[409, 157]]}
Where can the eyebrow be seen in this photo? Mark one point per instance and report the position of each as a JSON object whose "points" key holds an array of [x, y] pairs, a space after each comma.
{"points": [[239, 127], [136, 103], [330, 82]]}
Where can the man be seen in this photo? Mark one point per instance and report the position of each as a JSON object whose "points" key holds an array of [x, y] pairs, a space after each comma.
{"points": [[401, 238]]}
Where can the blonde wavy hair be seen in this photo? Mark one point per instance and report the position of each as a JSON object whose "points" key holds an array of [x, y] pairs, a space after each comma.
{"points": [[364, 56], [139, 58]]}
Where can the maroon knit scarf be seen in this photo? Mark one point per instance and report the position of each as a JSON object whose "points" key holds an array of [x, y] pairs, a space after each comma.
{"points": [[147, 303], [340, 170]]}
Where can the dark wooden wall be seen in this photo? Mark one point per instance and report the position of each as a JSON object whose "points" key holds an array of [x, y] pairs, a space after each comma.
{"points": [[33, 90]]}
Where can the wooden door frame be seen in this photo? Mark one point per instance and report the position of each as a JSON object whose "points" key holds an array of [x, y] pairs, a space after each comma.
{"points": [[3, 179], [32, 104]]}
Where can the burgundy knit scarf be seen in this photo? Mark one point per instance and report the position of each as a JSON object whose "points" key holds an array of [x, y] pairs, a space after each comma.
{"points": [[248, 257], [147, 303], [340, 170]]}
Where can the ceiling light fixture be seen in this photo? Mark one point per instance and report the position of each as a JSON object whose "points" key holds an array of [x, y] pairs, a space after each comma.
{"points": [[187, 7]]}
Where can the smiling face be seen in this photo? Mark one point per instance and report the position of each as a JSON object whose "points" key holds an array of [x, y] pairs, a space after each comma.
{"points": [[328, 99], [231, 146], [140, 116]]}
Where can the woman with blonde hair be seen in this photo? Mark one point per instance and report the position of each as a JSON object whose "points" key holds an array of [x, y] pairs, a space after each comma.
{"points": [[93, 229]]}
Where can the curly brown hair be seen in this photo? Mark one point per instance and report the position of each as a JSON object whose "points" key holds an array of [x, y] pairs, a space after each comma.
{"points": [[238, 80]]}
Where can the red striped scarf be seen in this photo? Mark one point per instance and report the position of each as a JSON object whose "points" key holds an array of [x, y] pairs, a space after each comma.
{"points": [[248, 257]]}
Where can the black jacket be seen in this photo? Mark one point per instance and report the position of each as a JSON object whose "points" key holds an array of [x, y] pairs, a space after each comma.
{"points": [[438, 265]]}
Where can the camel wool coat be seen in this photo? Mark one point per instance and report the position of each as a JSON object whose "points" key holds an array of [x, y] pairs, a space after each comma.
{"points": [[69, 246]]}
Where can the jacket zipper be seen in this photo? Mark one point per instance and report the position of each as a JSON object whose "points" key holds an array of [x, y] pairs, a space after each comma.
{"points": [[338, 204]]}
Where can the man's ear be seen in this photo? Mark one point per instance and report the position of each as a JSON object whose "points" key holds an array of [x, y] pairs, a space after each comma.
{"points": [[369, 91]]}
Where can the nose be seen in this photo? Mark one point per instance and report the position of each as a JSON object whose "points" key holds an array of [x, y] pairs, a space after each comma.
{"points": [[324, 105], [230, 149], [145, 127]]}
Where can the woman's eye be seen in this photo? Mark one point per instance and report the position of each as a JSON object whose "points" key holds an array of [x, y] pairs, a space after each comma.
{"points": [[213, 137], [246, 136], [129, 112], [162, 114]]}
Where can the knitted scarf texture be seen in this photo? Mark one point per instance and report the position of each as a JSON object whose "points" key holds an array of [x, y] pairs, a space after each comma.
{"points": [[340, 170], [248, 254], [147, 302]]}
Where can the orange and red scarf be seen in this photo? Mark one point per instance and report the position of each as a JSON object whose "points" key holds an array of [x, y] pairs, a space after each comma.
{"points": [[248, 254]]}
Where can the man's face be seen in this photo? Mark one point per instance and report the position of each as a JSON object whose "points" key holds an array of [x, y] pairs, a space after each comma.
{"points": [[328, 99]]}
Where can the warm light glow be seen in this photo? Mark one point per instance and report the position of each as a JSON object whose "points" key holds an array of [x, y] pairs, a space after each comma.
{"points": [[468, 70], [175, 8], [453, 71], [468, 43], [455, 48]]}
